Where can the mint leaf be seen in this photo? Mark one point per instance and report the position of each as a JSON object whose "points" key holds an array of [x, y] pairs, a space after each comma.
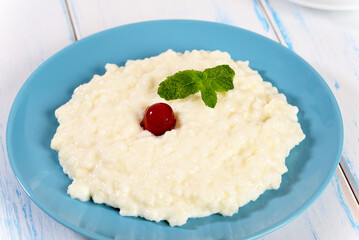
{"points": [[209, 96], [180, 85], [221, 77], [210, 81]]}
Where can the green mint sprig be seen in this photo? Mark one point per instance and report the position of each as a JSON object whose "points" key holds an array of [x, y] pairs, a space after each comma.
{"points": [[211, 80]]}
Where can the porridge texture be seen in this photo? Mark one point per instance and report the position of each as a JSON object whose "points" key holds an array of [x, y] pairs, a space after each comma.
{"points": [[215, 160]]}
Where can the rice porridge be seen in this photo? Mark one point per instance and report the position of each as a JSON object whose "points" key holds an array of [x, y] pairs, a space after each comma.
{"points": [[215, 160]]}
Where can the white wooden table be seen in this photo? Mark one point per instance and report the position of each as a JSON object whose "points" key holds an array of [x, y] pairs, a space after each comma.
{"points": [[31, 31]]}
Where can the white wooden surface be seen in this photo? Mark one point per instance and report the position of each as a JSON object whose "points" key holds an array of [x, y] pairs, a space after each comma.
{"points": [[31, 31], [93, 16]]}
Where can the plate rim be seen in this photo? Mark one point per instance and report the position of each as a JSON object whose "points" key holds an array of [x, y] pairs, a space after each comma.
{"points": [[93, 235]]}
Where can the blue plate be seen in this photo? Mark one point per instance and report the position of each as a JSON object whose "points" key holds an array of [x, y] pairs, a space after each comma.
{"points": [[32, 125]]}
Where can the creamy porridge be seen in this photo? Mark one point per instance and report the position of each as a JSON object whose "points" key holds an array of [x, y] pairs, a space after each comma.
{"points": [[215, 160]]}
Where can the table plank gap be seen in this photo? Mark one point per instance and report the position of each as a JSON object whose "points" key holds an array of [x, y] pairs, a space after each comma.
{"points": [[347, 192], [352, 183], [271, 22], [70, 18]]}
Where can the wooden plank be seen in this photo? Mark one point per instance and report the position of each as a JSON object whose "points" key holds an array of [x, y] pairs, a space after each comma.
{"points": [[31, 31], [92, 16], [329, 41], [325, 219]]}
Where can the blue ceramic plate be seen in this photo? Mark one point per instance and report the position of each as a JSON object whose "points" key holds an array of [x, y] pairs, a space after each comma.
{"points": [[32, 125]]}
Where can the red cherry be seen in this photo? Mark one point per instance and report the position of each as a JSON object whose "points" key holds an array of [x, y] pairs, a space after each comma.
{"points": [[158, 119]]}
